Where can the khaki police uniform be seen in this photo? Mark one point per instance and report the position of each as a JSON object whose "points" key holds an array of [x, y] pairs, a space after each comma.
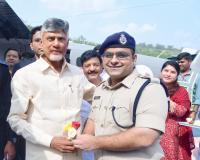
{"points": [[151, 113]]}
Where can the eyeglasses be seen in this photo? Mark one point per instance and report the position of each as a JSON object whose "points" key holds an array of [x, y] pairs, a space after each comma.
{"points": [[119, 55]]}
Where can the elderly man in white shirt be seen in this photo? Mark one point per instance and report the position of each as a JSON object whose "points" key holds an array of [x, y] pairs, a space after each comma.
{"points": [[46, 95]]}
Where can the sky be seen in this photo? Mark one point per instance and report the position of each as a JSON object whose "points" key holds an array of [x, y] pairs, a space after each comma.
{"points": [[167, 22]]}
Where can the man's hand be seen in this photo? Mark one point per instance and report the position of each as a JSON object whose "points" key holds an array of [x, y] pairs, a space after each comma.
{"points": [[9, 150], [194, 111], [192, 116], [62, 144], [86, 142]]}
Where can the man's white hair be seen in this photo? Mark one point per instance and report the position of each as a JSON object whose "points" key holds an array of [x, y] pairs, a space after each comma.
{"points": [[55, 24]]}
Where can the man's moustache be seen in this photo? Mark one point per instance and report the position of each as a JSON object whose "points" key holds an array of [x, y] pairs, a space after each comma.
{"points": [[92, 72]]}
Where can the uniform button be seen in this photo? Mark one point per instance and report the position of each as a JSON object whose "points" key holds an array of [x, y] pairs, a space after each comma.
{"points": [[101, 125]]}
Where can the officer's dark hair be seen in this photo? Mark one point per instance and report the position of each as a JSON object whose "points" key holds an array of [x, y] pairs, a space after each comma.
{"points": [[88, 55], [173, 64], [33, 31], [184, 55], [132, 51], [12, 49]]}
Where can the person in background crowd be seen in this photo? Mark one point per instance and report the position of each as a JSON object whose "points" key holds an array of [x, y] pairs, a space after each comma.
{"points": [[35, 44], [7, 136], [91, 63], [191, 81], [111, 129], [177, 141], [12, 57], [47, 94]]}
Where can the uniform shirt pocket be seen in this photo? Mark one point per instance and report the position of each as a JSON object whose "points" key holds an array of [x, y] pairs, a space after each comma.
{"points": [[119, 116]]}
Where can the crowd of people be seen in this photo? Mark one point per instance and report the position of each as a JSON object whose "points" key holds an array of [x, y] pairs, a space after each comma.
{"points": [[124, 112]]}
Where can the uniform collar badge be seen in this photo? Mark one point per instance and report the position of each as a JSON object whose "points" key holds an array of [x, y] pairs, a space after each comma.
{"points": [[122, 39]]}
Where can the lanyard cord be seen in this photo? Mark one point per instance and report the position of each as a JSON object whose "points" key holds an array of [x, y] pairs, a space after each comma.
{"points": [[119, 125], [137, 98]]}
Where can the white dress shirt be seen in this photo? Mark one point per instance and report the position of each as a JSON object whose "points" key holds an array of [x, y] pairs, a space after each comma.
{"points": [[43, 101]]}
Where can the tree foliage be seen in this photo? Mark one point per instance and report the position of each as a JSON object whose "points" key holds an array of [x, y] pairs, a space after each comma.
{"points": [[82, 40], [158, 50]]}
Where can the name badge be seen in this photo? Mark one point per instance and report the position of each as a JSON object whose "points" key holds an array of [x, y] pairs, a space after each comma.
{"points": [[97, 97]]}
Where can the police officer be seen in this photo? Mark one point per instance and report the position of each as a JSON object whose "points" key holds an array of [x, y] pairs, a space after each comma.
{"points": [[117, 135]]}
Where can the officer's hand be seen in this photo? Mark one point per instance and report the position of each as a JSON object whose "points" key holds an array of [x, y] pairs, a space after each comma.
{"points": [[9, 151], [62, 144], [86, 142]]}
